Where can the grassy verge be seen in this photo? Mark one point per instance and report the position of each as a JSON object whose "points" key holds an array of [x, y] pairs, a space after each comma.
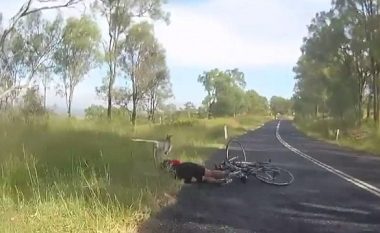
{"points": [[86, 176], [364, 138]]}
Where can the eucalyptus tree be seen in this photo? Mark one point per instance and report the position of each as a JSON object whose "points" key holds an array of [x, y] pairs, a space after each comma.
{"points": [[120, 16], [77, 55]]}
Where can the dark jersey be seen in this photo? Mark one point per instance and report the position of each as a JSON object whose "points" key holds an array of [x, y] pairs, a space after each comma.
{"points": [[189, 170]]}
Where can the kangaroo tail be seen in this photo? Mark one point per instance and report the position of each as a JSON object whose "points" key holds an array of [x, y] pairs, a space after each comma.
{"points": [[144, 140]]}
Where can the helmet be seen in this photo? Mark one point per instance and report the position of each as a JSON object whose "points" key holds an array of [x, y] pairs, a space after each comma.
{"points": [[170, 165], [165, 164]]}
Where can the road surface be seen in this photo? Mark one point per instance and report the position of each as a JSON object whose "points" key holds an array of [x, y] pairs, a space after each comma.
{"points": [[335, 190]]}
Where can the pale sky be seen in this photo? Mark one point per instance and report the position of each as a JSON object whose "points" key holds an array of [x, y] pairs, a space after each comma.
{"points": [[261, 38]]}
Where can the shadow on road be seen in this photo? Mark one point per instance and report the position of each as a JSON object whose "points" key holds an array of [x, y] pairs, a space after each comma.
{"points": [[316, 202], [202, 208], [212, 208]]}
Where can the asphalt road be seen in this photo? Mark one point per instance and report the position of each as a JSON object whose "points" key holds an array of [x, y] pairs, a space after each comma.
{"points": [[335, 190]]}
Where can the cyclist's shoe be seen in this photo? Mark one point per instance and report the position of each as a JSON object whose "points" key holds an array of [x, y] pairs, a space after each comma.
{"points": [[234, 174], [218, 167], [226, 181]]}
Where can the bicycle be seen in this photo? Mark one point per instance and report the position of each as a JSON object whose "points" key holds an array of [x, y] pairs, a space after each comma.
{"points": [[263, 171]]}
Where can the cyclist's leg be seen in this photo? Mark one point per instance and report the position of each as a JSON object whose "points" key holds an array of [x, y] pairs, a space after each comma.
{"points": [[217, 174], [211, 180]]}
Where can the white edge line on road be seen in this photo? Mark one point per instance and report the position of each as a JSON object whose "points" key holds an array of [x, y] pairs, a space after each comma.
{"points": [[361, 184]]}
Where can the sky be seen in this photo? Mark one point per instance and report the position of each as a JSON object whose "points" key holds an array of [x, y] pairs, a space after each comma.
{"points": [[261, 38]]}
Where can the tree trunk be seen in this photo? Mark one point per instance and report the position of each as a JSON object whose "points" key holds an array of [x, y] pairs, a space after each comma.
{"points": [[360, 108], [316, 111], [69, 103], [209, 110], [45, 97], [369, 106], [69, 98], [134, 101], [109, 106], [153, 113], [69, 111], [376, 104], [375, 101], [110, 62], [134, 112]]}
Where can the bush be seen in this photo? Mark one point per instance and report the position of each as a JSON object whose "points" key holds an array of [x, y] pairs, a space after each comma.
{"points": [[184, 123], [98, 112]]}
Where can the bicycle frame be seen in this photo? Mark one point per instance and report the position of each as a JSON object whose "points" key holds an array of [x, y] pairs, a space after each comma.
{"points": [[239, 167], [243, 168]]}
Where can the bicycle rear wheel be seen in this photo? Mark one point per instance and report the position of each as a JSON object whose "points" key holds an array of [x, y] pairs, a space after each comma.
{"points": [[274, 175]]}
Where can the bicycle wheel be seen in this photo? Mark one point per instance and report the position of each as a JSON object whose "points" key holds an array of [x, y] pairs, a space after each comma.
{"points": [[235, 151], [274, 175]]}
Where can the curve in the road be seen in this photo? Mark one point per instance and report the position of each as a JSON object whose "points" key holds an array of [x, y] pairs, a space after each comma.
{"points": [[361, 184], [318, 201]]}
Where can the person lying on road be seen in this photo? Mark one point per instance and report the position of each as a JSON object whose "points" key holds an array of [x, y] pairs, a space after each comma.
{"points": [[192, 172]]}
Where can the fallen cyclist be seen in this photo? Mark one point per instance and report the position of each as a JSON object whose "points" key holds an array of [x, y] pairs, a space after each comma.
{"points": [[192, 172]]}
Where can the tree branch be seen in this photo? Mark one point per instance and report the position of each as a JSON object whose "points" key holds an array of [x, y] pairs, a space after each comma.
{"points": [[14, 88], [25, 10]]}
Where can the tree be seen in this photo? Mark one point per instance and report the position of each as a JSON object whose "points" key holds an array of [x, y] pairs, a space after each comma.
{"points": [[29, 47], [208, 80], [169, 111], [52, 33], [119, 15], [255, 103], [143, 62], [78, 53], [225, 91], [6, 56], [280, 105], [95, 112], [158, 91], [339, 67], [32, 104], [190, 109]]}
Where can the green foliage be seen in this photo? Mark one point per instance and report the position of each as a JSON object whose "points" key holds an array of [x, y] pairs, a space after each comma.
{"points": [[89, 176], [144, 63], [225, 92], [280, 105], [337, 74], [25, 50], [97, 112], [32, 103], [190, 109], [256, 104], [119, 16], [363, 138], [77, 55]]}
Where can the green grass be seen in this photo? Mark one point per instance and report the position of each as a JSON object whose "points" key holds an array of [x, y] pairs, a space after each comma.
{"points": [[87, 176], [326, 130]]}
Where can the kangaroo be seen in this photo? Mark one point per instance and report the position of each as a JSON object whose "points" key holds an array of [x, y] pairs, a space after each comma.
{"points": [[161, 148]]}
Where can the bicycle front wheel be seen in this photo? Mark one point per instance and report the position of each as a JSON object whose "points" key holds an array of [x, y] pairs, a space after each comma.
{"points": [[274, 175], [235, 151]]}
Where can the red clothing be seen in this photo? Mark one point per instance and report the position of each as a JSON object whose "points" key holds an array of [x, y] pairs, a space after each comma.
{"points": [[175, 162]]}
